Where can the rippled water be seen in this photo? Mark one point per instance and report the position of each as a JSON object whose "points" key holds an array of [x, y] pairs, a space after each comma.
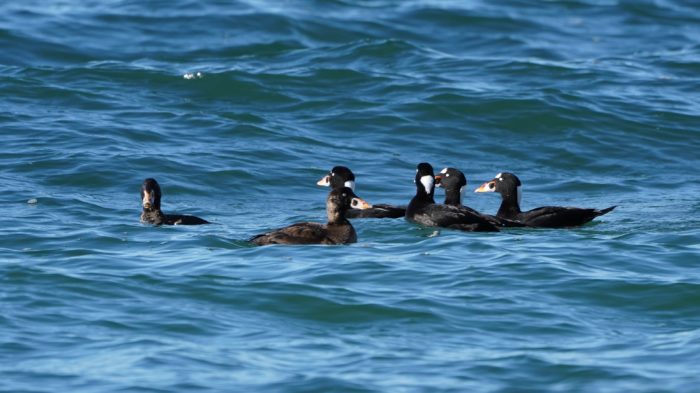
{"points": [[238, 108]]}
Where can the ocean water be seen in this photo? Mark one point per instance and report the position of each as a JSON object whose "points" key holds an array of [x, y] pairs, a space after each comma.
{"points": [[238, 108]]}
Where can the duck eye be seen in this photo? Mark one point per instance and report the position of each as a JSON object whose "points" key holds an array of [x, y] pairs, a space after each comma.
{"points": [[447, 175]]}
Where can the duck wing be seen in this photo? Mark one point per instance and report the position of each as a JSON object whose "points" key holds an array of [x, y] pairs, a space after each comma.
{"points": [[301, 233], [455, 217], [560, 217], [504, 222], [378, 211], [178, 219]]}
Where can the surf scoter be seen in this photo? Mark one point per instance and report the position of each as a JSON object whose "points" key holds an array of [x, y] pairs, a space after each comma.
{"points": [[508, 185], [423, 210], [338, 230], [454, 182], [341, 176], [151, 213]]}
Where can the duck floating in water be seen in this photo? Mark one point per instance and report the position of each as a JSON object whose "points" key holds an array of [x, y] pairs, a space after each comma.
{"points": [[341, 176], [454, 183], [337, 230], [151, 213], [508, 185], [423, 210]]}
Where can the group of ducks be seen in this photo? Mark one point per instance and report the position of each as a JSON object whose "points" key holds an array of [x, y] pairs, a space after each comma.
{"points": [[342, 204]]}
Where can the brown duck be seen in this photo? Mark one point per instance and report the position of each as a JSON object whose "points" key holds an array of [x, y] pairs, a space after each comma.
{"points": [[151, 213], [338, 230]]}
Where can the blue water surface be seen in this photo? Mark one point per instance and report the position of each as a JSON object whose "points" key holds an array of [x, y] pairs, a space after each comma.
{"points": [[238, 108]]}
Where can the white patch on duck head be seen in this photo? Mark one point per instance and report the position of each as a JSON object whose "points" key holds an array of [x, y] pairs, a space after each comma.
{"points": [[443, 171], [499, 176], [461, 195], [149, 199], [350, 184], [428, 182]]}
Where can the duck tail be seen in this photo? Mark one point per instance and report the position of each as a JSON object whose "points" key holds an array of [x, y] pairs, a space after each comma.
{"points": [[606, 210]]}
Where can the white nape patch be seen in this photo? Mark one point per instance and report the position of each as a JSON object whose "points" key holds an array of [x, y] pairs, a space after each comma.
{"points": [[443, 171], [350, 184], [461, 195], [519, 193], [428, 182]]}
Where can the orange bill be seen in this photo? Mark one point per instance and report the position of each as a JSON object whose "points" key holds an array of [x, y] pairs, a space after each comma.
{"points": [[489, 186], [325, 181], [359, 203]]}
